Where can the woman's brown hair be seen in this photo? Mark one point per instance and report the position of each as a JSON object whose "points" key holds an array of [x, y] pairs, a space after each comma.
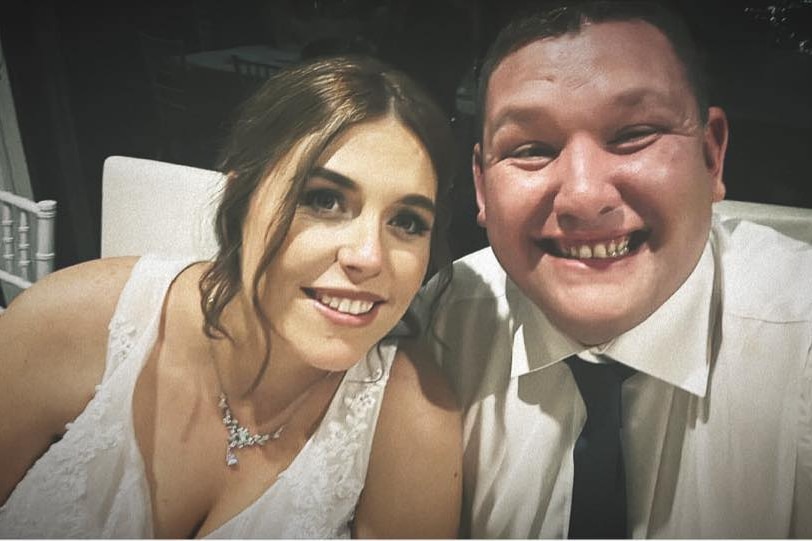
{"points": [[306, 107]]}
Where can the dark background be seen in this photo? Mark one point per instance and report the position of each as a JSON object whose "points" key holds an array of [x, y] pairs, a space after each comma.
{"points": [[82, 93]]}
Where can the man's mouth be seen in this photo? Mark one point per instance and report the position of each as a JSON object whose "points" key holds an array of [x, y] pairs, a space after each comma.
{"points": [[616, 247]]}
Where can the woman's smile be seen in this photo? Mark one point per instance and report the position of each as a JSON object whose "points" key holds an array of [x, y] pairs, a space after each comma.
{"points": [[345, 307]]}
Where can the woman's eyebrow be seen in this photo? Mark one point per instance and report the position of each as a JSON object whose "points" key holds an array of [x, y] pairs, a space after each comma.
{"points": [[335, 177], [343, 181], [420, 201]]}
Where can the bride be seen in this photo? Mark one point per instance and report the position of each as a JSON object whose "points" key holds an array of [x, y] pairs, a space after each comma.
{"points": [[261, 394]]}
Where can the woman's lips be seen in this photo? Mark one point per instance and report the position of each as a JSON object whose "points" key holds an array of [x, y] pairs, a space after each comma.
{"points": [[343, 309]]}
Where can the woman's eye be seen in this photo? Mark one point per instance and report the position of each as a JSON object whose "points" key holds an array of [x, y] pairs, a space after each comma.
{"points": [[411, 224], [323, 200]]}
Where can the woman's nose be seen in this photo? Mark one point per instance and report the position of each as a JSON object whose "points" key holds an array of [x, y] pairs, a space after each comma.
{"points": [[361, 253]]}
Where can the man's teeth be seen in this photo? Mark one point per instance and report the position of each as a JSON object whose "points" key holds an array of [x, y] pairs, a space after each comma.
{"points": [[598, 250], [346, 306]]}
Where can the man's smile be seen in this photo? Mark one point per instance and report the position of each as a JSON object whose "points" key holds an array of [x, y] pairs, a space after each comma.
{"points": [[608, 248]]}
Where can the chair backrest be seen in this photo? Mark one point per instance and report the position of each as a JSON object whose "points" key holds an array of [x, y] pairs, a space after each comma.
{"points": [[158, 207], [252, 72], [27, 232], [792, 221]]}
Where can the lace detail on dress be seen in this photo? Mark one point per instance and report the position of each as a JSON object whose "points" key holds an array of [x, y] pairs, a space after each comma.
{"points": [[69, 490], [66, 480], [333, 485], [120, 344]]}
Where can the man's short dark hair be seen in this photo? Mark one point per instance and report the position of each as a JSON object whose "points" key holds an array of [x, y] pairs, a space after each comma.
{"points": [[570, 17]]}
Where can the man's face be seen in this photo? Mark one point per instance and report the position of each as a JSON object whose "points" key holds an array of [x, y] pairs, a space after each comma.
{"points": [[595, 175]]}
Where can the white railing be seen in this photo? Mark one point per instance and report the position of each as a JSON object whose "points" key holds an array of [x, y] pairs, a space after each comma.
{"points": [[17, 214]]}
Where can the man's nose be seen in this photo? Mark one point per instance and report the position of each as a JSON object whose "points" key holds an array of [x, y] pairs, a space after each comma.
{"points": [[360, 252], [587, 195]]}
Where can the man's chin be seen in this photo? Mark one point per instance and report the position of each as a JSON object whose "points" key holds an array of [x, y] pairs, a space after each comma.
{"points": [[593, 323]]}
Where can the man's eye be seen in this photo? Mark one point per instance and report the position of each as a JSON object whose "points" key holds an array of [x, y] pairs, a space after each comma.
{"points": [[634, 138], [534, 151], [411, 224], [323, 200]]}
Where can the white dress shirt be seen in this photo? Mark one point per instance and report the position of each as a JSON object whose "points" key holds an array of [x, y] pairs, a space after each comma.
{"points": [[717, 423]]}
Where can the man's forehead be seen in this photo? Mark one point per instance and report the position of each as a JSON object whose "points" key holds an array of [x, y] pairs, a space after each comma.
{"points": [[629, 58]]}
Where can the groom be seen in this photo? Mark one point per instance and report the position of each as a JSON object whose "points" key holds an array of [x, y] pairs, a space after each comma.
{"points": [[596, 166]]}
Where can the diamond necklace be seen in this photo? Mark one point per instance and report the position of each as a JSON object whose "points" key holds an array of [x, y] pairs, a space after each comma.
{"points": [[239, 436]]}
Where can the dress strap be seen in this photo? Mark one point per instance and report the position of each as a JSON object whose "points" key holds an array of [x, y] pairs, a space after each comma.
{"points": [[139, 305], [326, 480]]}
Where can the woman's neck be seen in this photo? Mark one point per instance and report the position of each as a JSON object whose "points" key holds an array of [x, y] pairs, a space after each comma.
{"points": [[249, 370]]}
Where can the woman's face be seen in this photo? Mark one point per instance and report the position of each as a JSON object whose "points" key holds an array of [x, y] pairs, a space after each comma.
{"points": [[356, 251]]}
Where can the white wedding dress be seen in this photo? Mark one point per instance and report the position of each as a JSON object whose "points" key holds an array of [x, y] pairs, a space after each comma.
{"points": [[92, 483]]}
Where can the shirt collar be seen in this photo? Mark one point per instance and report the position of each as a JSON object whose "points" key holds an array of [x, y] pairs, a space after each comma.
{"points": [[673, 344], [537, 343]]}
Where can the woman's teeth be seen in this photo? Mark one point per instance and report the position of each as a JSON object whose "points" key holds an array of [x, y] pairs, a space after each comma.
{"points": [[596, 250], [346, 306]]}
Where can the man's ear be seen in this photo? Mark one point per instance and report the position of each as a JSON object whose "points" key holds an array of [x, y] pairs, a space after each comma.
{"points": [[714, 147], [479, 184]]}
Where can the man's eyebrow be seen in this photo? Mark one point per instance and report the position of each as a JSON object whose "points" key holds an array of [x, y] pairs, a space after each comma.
{"points": [[516, 114], [635, 96], [414, 200]]}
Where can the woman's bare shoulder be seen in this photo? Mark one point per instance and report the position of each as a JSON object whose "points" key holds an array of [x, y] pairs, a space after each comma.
{"points": [[416, 456], [419, 387], [57, 328], [54, 337], [80, 296]]}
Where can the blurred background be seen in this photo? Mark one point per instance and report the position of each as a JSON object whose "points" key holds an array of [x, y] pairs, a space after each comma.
{"points": [[159, 79]]}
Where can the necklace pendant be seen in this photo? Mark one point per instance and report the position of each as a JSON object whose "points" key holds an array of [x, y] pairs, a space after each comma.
{"points": [[239, 436]]}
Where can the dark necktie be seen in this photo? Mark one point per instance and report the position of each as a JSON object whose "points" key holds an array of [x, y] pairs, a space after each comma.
{"points": [[599, 491]]}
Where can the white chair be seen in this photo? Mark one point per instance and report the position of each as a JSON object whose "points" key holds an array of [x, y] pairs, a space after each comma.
{"points": [[157, 207], [792, 221], [27, 230]]}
